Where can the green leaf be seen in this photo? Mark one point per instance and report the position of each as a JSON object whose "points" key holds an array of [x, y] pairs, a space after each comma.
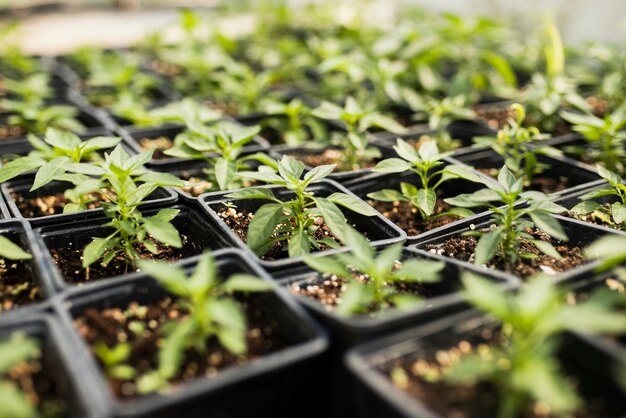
{"points": [[252, 193], [485, 295], [232, 332], [318, 173], [14, 402], [172, 278], [100, 142], [608, 175], [94, 250], [160, 179], [241, 282], [264, 176], [586, 207], [64, 140], [353, 203], [392, 165], [618, 211], [172, 353], [549, 225], [225, 171], [290, 168], [299, 243], [388, 195], [328, 265], [12, 251], [426, 200], [19, 166], [163, 232], [263, 224], [487, 247], [49, 171], [332, 217], [547, 248]]}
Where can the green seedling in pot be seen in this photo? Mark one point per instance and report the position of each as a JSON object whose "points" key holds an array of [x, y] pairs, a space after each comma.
{"points": [[56, 147], [294, 122], [504, 198], [211, 310], [373, 278], [15, 351], [427, 162], [519, 146], [355, 143], [294, 222], [521, 362], [605, 135], [221, 145], [610, 213]]}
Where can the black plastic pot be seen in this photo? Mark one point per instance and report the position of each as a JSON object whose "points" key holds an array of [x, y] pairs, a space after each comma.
{"points": [[20, 233], [190, 223], [267, 387], [378, 397], [378, 181], [57, 359], [340, 176], [579, 233], [579, 176], [132, 134], [162, 196], [379, 230], [4, 210]]}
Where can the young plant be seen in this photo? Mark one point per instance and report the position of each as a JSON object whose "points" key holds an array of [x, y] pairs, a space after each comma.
{"points": [[512, 144], [522, 362], [220, 145], [34, 89], [17, 350], [57, 147], [211, 312], [605, 135], [610, 213], [11, 251], [427, 163], [294, 122], [114, 360], [354, 143], [382, 273], [38, 117], [510, 219], [122, 184], [294, 221], [610, 251]]}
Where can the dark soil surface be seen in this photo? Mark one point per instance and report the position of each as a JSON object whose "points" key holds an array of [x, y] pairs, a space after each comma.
{"points": [[496, 117], [462, 248], [34, 207], [327, 291], [158, 144], [11, 131], [17, 285], [418, 374], [239, 221], [330, 156], [540, 183], [407, 216], [38, 383], [69, 261], [599, 106], [115, 325]]}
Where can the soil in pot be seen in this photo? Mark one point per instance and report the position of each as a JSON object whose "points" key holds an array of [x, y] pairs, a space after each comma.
{"points": [[407, 216], [239, 221], [11, 131], [539, 183], [39, 385], [17, 284], [415, 374], [495, 116], [69, 261], [141, 325], [463, 248], [601, 219], [159, 144], [53, 204]]}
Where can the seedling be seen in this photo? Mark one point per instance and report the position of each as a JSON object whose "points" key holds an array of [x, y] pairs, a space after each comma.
{"points": [[12, 251], [354, 143], [512, 143], [510, 220], [114, 360], [604, 134], [610, 213], [34, 89], [427, 163], [128, 108], [38, 117], [122, 184], [373, 278], [17, 350], [294, 221], [610, 251], [294, 122], [220, 145], [57, 147], [212, 312], [521, 361]]}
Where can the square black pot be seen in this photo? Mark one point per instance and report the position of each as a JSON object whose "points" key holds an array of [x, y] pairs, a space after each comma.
{"points": [[19, 232], [161, 196], [267, 387], [378, 181], [579, 233], [379, 230], [378, 397], [579, 176], [58, 359], [190, 222]]}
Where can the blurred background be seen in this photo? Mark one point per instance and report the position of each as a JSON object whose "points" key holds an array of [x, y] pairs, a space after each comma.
{"points": [[58, 26]]}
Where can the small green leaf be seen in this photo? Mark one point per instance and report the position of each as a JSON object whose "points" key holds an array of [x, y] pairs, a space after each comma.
{"points": [[353, 203], [94, 250], [12, 251], [49, 171], [426, 200], [265, 220], [549, 225], [245, 283], [487, 247]]}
